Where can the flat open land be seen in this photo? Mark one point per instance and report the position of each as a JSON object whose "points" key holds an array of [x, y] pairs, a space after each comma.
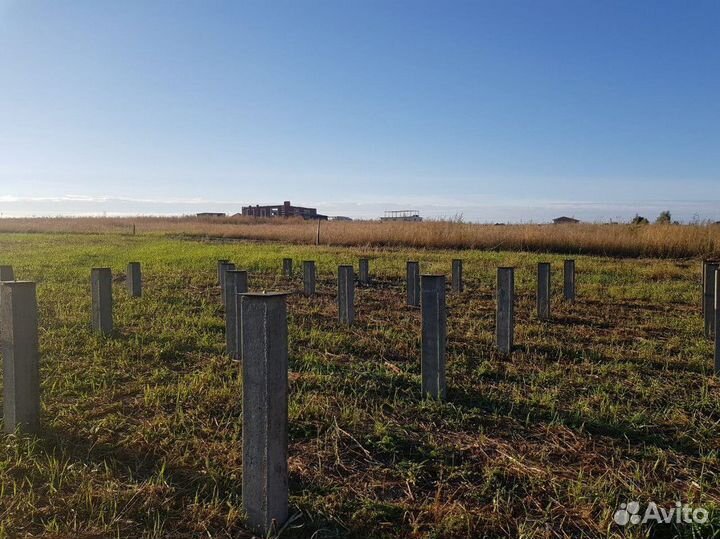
{"points": [[626, 240], [612, 401]]}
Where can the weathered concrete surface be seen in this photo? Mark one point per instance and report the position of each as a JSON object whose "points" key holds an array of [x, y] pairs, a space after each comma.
{"points": [[711, 268], [265, 410], [364, 271], [102, 301], [7, 273], [346, 294], [543, 290], [434, 336], [309, 278], [716, 321], [569, 280], [235, 283], [287, 267], [21, 356], [224, 268], [457, 275], [413, 283], [220, 270], [134, 279], [505, 314]]}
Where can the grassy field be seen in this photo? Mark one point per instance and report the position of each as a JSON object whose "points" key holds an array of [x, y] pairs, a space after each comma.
{"points": [[665, 241], [612, 401]]}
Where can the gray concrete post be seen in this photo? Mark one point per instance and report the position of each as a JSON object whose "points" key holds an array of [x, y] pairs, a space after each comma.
{"points": [[20, 353], [220, 270], [364, 272], [287, 267], [702, 297], [716, 322], [505, 314], [434, 336], [457, 275], [346, 294], [265, 411], [569, 280], [704, 302], [7, 273], [134, 279], [413, 284], [709, 297], [224, 268], [309, 278], [543, 290], [235, 283], [102, 302]]}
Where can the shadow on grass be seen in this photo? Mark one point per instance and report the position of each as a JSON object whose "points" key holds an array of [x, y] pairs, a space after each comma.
{"points": [[650, 367], [379, 387], [190, 486], [624, 434]]}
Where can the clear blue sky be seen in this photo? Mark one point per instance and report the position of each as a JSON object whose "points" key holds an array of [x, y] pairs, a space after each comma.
{"points": [[499, 110]]}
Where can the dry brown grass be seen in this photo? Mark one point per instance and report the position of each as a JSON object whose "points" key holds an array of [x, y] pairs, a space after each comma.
{"points": [[676, 241]]}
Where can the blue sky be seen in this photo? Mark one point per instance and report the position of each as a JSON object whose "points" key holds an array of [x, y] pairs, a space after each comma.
{"points": [[496, 110]]}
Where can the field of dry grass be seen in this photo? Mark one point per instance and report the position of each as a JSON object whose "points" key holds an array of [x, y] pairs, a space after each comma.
{"points": [[612, 400], [665, 241]]}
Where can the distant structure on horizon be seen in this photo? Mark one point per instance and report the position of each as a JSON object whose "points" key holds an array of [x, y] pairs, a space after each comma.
{"points": [[565, 220], [282, 210], [210, 214], [402, 215]]}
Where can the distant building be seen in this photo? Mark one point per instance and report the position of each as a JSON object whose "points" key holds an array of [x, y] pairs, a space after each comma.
{"points": [[565, 221], [340, 218], [402, 215], [210, 214], [283, 210]]}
